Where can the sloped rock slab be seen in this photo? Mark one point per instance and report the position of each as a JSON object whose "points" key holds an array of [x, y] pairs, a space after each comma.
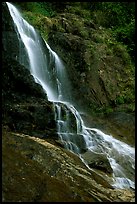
{"points": [[35, 170], [97, 161]]}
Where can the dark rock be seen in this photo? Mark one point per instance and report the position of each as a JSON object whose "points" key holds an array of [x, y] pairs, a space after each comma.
{"points": [[11, 43], [122, 118], [97, 161], [25, 107], [34, 119], [17, 81], [7, 23]]}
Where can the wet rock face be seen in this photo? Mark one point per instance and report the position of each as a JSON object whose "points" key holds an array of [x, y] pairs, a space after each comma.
{"points": [[10, 39], [25, 107], [17, 83], [7, 24], [35, 119]]}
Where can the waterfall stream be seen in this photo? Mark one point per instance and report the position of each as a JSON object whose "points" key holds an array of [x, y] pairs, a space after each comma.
{"points": [[49, 71]]}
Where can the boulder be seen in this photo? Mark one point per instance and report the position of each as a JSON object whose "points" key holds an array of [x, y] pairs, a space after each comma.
{"points": [[97, 161]]}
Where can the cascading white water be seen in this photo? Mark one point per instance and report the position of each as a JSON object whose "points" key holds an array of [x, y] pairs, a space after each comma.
{"points": [[48, 70]]}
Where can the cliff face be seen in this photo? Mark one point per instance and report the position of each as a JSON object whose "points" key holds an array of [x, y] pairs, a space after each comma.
{"points": [[100, 68], [24, 102]]}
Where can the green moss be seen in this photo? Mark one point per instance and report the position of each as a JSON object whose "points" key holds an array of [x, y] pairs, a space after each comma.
{"points": [[121, 51], [38, 21], [78, 10], [99, 17], [104, 110], [120, 100]]}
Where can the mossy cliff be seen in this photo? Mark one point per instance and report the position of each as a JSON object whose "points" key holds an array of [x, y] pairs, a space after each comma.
{"points": [[100, 68]]}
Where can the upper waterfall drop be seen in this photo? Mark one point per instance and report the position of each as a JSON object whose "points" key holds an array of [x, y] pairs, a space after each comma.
{"points": [[44, 64], [48, 70]]}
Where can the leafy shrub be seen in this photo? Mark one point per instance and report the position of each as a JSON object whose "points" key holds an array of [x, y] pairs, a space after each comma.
{"points": [[120, 18], [120, 100]]}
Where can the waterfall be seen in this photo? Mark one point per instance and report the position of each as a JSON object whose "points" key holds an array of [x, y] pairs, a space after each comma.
{"points": [[49, 71]]}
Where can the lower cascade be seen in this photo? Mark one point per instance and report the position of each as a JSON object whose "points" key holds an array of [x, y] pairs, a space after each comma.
{"points": [[49, 71]]}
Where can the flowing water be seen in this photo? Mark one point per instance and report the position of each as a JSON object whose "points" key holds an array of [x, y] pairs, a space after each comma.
{"points": [[48, 70]]}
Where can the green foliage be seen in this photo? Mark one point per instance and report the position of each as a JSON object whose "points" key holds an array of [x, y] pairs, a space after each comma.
{"points": [[43, 8], [119, 100], [117, 13], [37, 21], [100, 110], [127, 97], [59, 6], [121, 51], [120, 18], [126, 35], [78, 10]]}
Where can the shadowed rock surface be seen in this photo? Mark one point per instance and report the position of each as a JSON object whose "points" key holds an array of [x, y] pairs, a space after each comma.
{"points": [[25, 107]]}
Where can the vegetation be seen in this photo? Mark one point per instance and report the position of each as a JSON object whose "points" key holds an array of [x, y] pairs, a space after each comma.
{"points": [[114, 35], [35, 13], [43, 8], [120, 18]]}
